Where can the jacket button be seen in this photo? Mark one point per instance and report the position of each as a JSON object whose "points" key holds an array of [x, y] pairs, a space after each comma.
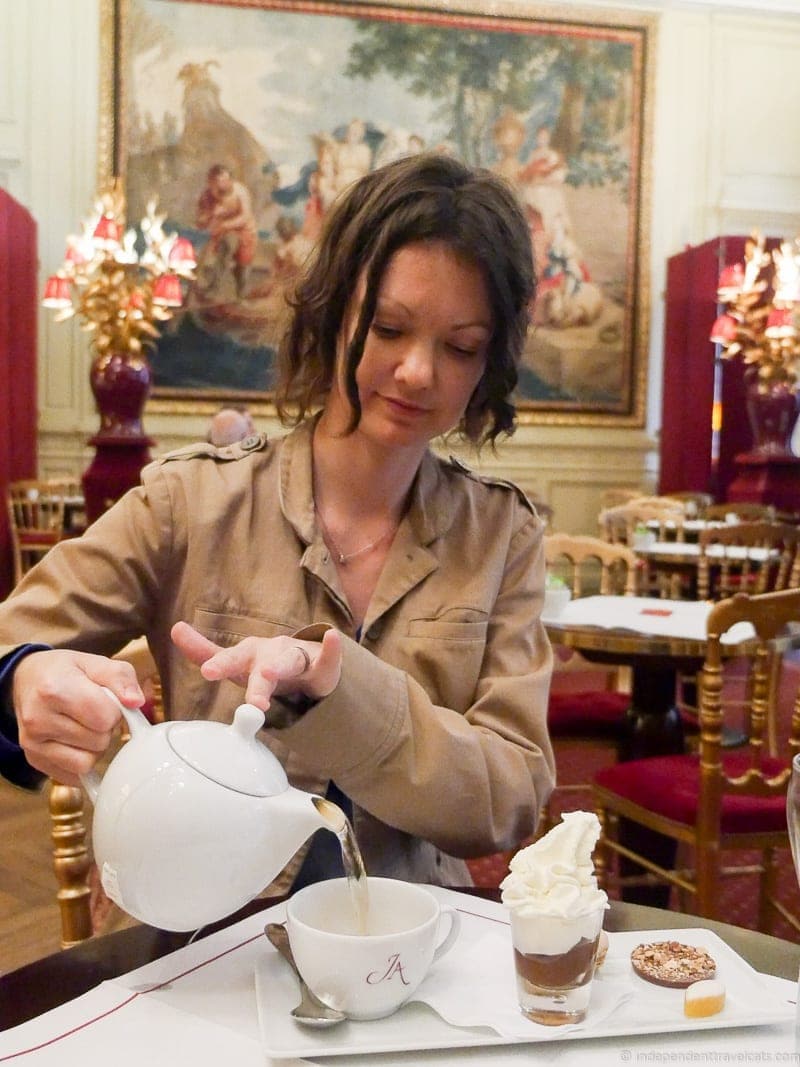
{"points": [[374, 632]]}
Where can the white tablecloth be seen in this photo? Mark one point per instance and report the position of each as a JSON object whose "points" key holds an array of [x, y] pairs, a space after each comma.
{"points": [[198, 1007], [645, 615]]}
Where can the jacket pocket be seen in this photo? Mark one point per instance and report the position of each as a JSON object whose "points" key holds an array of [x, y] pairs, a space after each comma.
{"points": [[450, 628], [445, 656], [226, 629]]}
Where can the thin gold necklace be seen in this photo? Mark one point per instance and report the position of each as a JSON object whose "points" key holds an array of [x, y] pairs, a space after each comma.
{"points": [[344, 557]]}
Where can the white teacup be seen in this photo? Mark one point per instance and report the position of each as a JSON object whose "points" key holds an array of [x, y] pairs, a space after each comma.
{"points": [[367, 975]]}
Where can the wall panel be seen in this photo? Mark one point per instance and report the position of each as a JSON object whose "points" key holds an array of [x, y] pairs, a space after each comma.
{"points": [[716, 169]]}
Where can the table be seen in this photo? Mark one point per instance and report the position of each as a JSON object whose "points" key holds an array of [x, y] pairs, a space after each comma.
{"points": [[53, 980], [657, 639]]}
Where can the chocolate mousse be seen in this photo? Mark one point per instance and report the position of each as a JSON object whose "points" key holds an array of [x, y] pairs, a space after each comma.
{"points": [[561, 971]]}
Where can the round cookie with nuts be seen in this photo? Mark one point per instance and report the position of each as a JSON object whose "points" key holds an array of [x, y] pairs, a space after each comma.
{"points": [[669, 963]]}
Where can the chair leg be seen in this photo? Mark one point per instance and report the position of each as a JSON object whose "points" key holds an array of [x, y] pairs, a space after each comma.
{"points": [[545, 821], [686, 899], [707, 861], [71, 862], [603, 855], [767, 891]]}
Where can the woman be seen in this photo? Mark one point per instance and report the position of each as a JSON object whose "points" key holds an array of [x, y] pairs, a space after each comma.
{"points": [[380, 604]]}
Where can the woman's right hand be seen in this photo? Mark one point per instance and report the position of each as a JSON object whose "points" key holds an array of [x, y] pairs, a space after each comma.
{"points": [[65, 720]]}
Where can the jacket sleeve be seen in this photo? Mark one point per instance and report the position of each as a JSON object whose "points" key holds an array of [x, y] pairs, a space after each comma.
{"points": [[96, 592], [471, 783]]}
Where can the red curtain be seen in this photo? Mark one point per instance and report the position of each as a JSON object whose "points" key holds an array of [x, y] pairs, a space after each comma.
{"points": [[18, 302], [688, 384]]}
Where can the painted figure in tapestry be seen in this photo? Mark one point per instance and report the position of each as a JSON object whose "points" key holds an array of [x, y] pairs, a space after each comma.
{"points": [[249, 156], [225, 210]]}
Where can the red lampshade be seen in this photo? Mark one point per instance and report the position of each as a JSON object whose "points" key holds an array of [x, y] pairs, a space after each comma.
{"points": [[724, 330], [107, 232], [167, 291], [731, 280], [57, 292], [780, 323], [182, 255]]}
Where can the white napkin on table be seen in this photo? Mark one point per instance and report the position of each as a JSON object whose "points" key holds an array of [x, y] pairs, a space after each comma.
{"points": [[475, 985]]}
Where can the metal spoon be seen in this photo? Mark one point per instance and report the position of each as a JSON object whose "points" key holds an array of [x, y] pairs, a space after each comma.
{"points": [[310, 1011]]}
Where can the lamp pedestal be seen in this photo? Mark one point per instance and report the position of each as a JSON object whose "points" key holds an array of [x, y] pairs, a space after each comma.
{"points": [[120, 384], [767, 479], [770, 472]]}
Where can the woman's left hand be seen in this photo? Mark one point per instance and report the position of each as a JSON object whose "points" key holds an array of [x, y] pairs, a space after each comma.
{"points": [[266, 666]]}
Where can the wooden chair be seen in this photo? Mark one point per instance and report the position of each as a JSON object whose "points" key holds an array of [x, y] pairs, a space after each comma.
{"points": [[659, 516], [716, 800], [743, 510], [582, 715], [665, 517], [72, 860], [721, 572], [36, 512], [725, 568], [612, 498]]}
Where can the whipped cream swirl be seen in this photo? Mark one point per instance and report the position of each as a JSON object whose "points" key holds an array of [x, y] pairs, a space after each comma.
{"points": [[555, 875]]}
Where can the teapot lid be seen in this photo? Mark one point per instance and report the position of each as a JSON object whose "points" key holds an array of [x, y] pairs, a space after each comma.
{"points": [[232, 756]]}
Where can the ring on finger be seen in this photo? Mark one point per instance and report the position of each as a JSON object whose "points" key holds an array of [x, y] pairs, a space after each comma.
{"points": [[306, 659]]}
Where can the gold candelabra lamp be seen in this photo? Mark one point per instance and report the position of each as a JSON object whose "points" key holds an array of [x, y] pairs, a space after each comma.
{"points": [[761, 298], [118, 292], [123, 285]]}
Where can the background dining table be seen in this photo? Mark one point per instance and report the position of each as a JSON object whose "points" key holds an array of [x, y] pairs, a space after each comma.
{"points": [[656, 638]]}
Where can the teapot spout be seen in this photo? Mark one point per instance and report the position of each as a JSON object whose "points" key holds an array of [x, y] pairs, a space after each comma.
{"points": [[294, 816], [332, 816]]}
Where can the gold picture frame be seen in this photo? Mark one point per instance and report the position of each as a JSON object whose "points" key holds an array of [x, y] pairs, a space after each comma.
{"points": [[558, 99]]}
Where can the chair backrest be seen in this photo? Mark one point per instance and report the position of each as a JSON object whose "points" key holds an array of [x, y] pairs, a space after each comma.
{"points": [[747, 557], [665, 516], [744, 510], [758, 772], [612, 498], [70, 820], [694, 502], [36, 511], [590, 564]]}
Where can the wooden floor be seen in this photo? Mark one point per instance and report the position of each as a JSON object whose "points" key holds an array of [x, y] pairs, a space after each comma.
{"points": [[29, 920]]}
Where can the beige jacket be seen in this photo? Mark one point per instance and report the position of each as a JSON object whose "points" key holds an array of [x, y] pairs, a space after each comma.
{"points": [[437, 729]]}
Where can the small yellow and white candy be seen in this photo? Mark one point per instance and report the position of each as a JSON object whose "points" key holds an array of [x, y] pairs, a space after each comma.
{"points": [[704, 998]]}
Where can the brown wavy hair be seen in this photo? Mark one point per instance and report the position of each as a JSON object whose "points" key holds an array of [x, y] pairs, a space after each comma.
{"points": [[427, 197]]}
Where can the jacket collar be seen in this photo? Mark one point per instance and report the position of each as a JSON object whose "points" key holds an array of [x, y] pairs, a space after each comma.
{"points": [[412, 557], [430, 509]]}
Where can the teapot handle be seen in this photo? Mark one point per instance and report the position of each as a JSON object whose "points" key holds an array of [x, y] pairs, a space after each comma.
{"points": [[136, 722]]}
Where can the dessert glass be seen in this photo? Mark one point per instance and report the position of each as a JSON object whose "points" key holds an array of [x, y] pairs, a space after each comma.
{"points": [[554, 959]]}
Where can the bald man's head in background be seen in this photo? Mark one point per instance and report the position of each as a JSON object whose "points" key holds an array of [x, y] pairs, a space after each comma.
{"points": [[230, 425]]}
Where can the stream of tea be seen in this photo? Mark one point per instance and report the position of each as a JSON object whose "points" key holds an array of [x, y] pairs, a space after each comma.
{"points": [[352, 860]]}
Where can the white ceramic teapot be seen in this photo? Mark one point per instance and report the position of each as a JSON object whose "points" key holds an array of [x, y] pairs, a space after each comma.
{"points": [[193, 819]]}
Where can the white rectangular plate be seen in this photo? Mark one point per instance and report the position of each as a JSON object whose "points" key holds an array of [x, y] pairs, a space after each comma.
{"points": [[650, 1009]]}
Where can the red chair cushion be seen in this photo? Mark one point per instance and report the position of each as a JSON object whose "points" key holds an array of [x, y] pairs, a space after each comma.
{"points": [[599, 714], [39, 537], [670, 786]]}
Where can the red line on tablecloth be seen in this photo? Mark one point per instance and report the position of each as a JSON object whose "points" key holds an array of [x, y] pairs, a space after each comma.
{"points": [[480, 915], [129, 1000]]}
